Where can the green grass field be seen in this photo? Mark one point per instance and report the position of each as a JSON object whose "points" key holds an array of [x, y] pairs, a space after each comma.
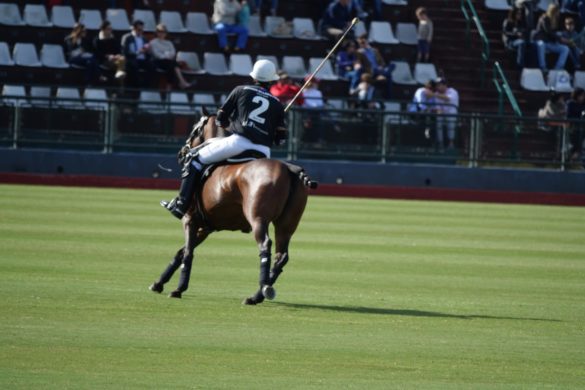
{"points": [[378, 294]]}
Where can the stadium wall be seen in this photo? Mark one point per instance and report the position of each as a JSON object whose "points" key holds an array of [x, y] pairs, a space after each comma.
{"points": [[390, 180]]}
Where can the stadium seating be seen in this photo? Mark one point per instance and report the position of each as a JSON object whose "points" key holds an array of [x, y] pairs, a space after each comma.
{"points": [[25, 54], [198, 23], [179, 103], [402, 74], [392, 107], [303, 28], [173, 21], [272, 59], [272, 26], [395, 2], [95, 99], [294, 66], [118, 18], [150, 102], [35, 15], [532, 80], [90, 18], [579, 79], [62, 16], [191, 59], [543, 4], [498, 5], [42, 93], [360, 29], [71, 97], [406, 33], [559, 80], [52, 56], [5, 57], [381, 32], [215, 64], [255, 28], [205, 99], [14, 91], [147, 16], [424, 72], [240, 64], [326, 72], [10, 15]]}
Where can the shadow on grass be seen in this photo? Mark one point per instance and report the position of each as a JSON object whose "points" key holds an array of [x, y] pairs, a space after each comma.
{"points": [[402, 312]]}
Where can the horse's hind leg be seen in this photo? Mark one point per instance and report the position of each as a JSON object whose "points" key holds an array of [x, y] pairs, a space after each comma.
{"points": [[264, 242], [158, 286]]}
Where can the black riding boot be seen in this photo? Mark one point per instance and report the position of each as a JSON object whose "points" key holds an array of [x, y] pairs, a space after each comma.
{"points": [[180, 205]]}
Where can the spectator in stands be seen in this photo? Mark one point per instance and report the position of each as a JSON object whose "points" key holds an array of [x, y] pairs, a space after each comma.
{"points": [[313, 100], [141, 4], [346, 58], [285, 89], [257, 5], [224, 17], [337, 18], [575, 7], [136, 52], [424, 34], [424, 102], [79, 52], [570, 37], [447, 99], [365, 92], [163, 55], [375, 64], [576, 111], [555, 110], [547, 39], [244, 14], [514, 34], [377, 7], [108, 51]]}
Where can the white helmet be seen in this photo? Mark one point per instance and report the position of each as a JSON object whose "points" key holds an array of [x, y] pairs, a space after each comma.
{"points": [[264, 71]]}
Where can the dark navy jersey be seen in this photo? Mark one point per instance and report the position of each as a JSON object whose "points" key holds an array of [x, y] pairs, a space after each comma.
{"points": [[254, 113]]}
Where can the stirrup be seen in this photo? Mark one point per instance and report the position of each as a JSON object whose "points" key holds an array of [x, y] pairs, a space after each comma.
{"points": [[173, 208]]}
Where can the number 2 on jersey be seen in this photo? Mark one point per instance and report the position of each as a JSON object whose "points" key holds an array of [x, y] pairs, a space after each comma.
{"points": [[255, 114]]}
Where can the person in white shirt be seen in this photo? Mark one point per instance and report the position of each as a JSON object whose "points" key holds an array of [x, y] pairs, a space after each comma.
{"points": [[447, 99], [163, 55]]}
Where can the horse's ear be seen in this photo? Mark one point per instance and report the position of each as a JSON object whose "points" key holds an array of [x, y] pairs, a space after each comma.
{"points": [[204, 111]]}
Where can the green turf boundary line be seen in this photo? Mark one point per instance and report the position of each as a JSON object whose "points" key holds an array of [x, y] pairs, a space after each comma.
{"points": [[358, 191]]}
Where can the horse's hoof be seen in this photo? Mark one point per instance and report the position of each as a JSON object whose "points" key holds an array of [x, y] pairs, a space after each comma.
{"points": [[249, 301], [269, 292], [175, 294], [156, 287]]}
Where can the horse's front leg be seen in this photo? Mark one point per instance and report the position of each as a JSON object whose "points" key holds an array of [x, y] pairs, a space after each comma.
{"points": [[158, 286], [265, 289]]}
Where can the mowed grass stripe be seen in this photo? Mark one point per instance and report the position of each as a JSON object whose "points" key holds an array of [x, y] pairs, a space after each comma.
{"points": [[378, 293]]}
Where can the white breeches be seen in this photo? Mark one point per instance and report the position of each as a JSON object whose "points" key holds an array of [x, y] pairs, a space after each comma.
{"points": [[220, 149]]}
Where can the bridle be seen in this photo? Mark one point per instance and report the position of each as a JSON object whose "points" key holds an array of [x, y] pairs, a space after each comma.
{"points": [[197, 132]]}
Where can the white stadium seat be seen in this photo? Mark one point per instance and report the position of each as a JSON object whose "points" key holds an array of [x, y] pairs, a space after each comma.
{"points": [[532, 80], [294, 66], [62, 16], [90, 18], [69, 93], [406, 33], [241, 64], [402, 73], [179, 103], [424, 72], [118, 18], [360, 29], [14, 91], [25, 54], [255, 28], [191, 59], [95, 98], [272, 26], [150, 102], [304, 28], [36, 15], [395, 2], [10, 15], [498, 5], [326, 72], [146, 16], [205, 99], [42, 94], [173, 21], [198, 23], [381, 32], [579, 79], [560, 81], [52, 56], [5, 57], [214, 63], [272, 59]]}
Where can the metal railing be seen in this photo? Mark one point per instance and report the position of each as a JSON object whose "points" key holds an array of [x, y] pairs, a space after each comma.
{"points": [[470, 14], [337, 134], [504, 90]]}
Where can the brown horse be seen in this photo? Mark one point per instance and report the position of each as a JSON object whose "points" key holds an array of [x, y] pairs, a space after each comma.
{"points": [[242, 196]]}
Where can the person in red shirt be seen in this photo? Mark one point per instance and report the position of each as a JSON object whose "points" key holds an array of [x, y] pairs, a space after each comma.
{"points": [[285, 89]]}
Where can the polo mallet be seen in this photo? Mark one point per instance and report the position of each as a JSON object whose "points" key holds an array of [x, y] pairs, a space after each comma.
{"points": [[353, 23]]}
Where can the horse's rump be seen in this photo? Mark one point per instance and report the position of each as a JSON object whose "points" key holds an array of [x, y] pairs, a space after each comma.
{"points": [[236, 194]]}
